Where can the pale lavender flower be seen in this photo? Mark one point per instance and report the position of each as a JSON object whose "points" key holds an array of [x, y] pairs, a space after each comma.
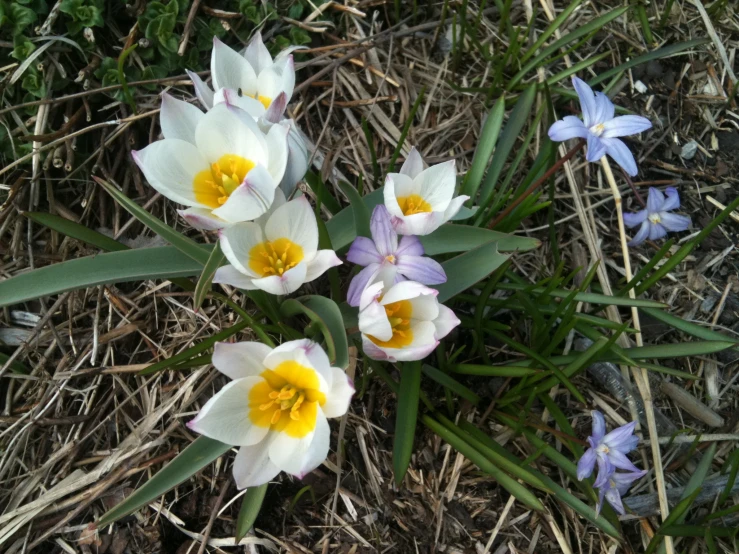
{"points": [[617, 485], [608, 450], [600, 127], [656, 219], [385, 259]]}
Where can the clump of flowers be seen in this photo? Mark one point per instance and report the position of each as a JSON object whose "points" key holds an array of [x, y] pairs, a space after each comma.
{"points": [[655, 220], [609, 451]]}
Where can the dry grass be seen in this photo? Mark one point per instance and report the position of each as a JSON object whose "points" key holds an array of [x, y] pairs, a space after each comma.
{"points": [[82, 429]]}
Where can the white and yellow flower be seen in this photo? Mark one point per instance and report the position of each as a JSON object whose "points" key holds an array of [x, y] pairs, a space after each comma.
{"points": [[275, 408], [278, 253], [421, 200], [220, 164], [262, 87], [402, 322]]}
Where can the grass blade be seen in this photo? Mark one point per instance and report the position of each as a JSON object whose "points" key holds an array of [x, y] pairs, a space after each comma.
{"points": [[215, 260], [359, 209], [76, 231], [250, 506], [483, 151], [450, 383]]}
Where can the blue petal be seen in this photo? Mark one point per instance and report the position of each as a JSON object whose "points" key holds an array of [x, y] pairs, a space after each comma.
{"points": [[625, 125], [421, 269], [569, 127], [673, 199], [657, 231], [385, 237], [624, 480], [619, 460], [618, 436], [621, 155], [360, 282], [614, 499], [587, 101], [655, 201], [596, 148], [674, 222], [605, 470], [604, 108], [632, 220], [641, 235], [586, 464], [363, 252], [409, 246], [599, 426]]}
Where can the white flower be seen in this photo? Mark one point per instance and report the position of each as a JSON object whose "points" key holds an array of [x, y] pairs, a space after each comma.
{"points": [[420, 200], [262, 87], [275, 408], [277, 253], [220, 164], [403, 322]]}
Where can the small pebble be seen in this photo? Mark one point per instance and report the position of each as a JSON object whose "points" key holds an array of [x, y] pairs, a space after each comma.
{"points": [[688, 150], [640, 87]]}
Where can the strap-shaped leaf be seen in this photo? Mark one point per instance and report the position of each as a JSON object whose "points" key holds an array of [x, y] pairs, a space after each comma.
{"points": [[467, 269], [76, 231], [215, 260], [250, 506], [359, 209], [405, 418]]}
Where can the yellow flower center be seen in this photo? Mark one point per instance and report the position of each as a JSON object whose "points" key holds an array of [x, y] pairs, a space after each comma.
{"points": [[399, 314], [655, 218], [287, 400], [598, 129], [274, 257], [413, 204], [213, 186], [390, 258], [265, 100]]}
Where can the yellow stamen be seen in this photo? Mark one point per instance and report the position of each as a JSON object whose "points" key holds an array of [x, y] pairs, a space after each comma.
{"points": [[274, 257], [399, 315], [413, 204], [213, 186]]}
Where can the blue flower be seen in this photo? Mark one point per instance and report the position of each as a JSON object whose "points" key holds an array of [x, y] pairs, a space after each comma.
{"points": [[609, 451], [617, 485], [656, 220], [389, 260], [600, 127]]}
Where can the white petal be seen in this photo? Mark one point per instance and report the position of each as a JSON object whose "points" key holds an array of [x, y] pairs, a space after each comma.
{"points": [[398, 185], [405, 290], [220, 133], [421, 224], [373, 321], [202, 218], [250, 105], [231, 70], [270, 83], [252, 466], [178, 119], [276, 203], [413, 164], [454, 206], [287, 283], [277, 150], [289, 454], [237, 242], [340, 394], [296, 222], [446, 321], [202, 91], [225, 417], [323, 260], [318, 448], [306, 353], [229, 275], [240, 359], [297, 159], [170, 166], [437, 185], [425, 307], [256, 53], [251, 199]]}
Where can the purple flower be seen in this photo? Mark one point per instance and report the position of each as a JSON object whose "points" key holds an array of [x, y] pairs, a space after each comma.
{"points": [[617, 485], [389, 261], [609, 451], [600, 127], [656, 220]]}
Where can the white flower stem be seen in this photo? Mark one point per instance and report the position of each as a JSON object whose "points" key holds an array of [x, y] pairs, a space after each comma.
{"points": [[640, 374]]}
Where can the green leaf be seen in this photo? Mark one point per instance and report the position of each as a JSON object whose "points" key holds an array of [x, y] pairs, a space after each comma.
{"points": [[590, 297], [450, 383], [192, 459], [550, 30], [484, 150], [185, 245], [325, 313], [461, 238], [494, 370], [215, 260], [467, 269], [250, 506], [405, 418], [687, 327], [102, 269], [676, 515], [359, 210], [679, 350], [76, 231], [322, 193]]}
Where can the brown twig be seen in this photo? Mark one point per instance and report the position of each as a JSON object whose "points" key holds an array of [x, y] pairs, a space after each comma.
{"points": [[188, 27], [213, 515]]}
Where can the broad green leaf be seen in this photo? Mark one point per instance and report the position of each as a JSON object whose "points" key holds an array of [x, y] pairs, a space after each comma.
{"points": [[450, 383], [322, 193], [359, 210], [465, 270], [102, 269], [405, 418], [185, 245], [76, 231], [250, 506], [192, 459], [215, 260], [484, 149], [493, 370], [460, 238], [325, 313], [341, 227]]}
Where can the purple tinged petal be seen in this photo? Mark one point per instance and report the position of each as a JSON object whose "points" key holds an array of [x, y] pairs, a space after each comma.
{"points": [[615, 438], [614, 499], [641, 235], [605, 470], [632, 220], [596, 148], [673, 199], [410, 245], [587, 101], [657, 231], [625, 125], [674, 222], [604, 108], [621, 154], [599, 426], [385, 237], [363, 252], [619, 460], [623, 481], [599, 503], [421, 269], [359, 283], [586, 464], [655, 200], [569, 127]]}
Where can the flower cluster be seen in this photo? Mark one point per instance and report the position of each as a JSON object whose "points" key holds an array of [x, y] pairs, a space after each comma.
{"points": [[609, 451]]}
